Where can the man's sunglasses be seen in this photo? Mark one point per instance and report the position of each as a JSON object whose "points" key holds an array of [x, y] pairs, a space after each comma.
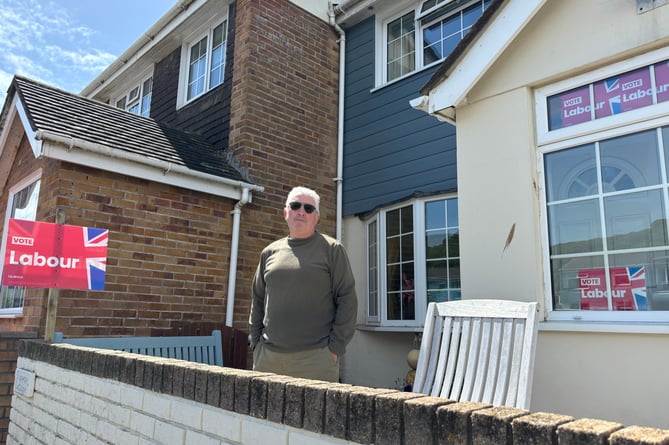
{"points": [[295, 205]]}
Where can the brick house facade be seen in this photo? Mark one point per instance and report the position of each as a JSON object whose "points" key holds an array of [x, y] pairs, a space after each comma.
{"points": [[169, 256]]}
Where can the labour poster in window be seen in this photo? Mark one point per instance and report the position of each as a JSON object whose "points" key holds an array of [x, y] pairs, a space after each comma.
{"points": [[39, 254], [622, 93], [662, 81], [628, 289], [569, 108]]}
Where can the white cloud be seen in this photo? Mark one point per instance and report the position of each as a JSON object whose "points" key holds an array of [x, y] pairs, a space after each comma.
{"points": [[25, 66], [93, 60], [41, 40]]}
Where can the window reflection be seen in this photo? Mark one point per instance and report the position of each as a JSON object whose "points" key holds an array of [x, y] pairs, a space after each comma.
{"points": [[607, 224], [442, 246]]}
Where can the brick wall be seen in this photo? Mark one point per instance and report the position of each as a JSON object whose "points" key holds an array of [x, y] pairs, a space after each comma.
{"points": [[94, 396], [9, 345], [168, 252], [283, 123]]}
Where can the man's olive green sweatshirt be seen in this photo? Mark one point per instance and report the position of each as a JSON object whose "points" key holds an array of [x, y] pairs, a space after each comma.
{"points": [[303, 296]]}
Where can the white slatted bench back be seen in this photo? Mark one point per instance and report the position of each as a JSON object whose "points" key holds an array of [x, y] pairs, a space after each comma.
{"points": [[479, 351], [201, 349]]}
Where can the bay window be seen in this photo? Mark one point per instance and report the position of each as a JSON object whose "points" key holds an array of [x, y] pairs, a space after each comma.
{"points": [[412, 259]]}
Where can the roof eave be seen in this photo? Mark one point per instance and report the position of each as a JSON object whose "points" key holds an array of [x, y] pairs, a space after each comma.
{"points": [[65, 148], [451, 84], [76, 151]]}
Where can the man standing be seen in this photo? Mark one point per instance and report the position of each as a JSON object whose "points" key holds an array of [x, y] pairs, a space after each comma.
{"points": [[304, 303]]}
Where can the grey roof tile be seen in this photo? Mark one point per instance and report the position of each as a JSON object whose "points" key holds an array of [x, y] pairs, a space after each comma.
{"points": [[68, 114]]}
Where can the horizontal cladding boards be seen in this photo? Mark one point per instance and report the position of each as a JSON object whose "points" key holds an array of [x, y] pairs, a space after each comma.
{"points": [[391, 151]]}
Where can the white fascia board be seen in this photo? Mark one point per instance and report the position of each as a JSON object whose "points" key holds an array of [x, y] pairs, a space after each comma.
{"points": [[6, 129], [35, 144], [494, 39], [129, 164]]}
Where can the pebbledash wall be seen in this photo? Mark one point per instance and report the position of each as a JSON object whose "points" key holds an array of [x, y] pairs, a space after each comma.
{"points": [[70, 395]]}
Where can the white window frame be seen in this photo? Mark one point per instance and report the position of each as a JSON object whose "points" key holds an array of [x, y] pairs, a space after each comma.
{"points": [[420, 270], [629, 122], [18, 187], [382, 21], [204, 32], [373, 318]]}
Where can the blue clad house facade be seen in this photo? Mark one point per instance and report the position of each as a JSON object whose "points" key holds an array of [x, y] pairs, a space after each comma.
{"points": [[392, 152], [399, 182]]}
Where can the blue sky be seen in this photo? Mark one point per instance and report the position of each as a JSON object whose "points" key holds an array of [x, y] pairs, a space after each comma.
{"points": [[67, 43]]}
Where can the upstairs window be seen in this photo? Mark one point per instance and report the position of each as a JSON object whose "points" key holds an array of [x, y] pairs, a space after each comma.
{"points": [[206, 61], [138, 99], [435, 27]]}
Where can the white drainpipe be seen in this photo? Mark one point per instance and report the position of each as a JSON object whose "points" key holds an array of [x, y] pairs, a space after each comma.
{"points": [[340, 118], [232, 274]]}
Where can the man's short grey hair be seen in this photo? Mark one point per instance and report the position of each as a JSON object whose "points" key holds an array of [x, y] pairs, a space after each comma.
{"points": [[296, 191]]}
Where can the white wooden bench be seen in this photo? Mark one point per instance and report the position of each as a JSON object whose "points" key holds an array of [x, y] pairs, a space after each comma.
{"points": [[201, 348], [479, 351]]}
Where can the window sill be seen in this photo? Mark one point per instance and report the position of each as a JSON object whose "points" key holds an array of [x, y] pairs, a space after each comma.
{"points": [[605, 327], [379, 328], [11, 314]]}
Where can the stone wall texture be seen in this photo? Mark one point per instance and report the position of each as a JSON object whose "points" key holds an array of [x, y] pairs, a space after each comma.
{"points": [[93, 396]]}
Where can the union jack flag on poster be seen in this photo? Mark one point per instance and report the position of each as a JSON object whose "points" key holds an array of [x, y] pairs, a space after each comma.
{"points": [[619, 94], [39, 254], [636, 277]]}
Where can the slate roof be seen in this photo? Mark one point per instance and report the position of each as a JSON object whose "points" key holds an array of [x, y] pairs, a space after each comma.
{"points": [[74, 116]]}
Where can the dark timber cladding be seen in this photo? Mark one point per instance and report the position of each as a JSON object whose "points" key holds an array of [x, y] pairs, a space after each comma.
{"points": [[208, 115], [391, 150]]}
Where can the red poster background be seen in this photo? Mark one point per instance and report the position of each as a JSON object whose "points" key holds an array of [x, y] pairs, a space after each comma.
{"points": [[39, 254], [594, 295]]}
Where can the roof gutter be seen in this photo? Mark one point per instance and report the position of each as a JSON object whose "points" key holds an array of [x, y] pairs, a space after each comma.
{"points": [[422, 103], [203, 182], [151, 36], [348, 8], [340, 117]]}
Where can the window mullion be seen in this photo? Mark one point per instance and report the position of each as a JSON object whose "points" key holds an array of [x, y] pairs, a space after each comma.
{"points": [[381, 266], [420, 270], [209, 56], [602, 217]]}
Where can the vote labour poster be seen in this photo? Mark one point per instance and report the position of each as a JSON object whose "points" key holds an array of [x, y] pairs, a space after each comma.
{"points": [[40, 254], [628, 91], [628, 288], [662, 81], [570, 108], [622, 93]]}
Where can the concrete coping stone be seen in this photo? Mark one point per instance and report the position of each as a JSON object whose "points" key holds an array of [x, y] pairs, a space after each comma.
{"points": [[362, 415]]}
